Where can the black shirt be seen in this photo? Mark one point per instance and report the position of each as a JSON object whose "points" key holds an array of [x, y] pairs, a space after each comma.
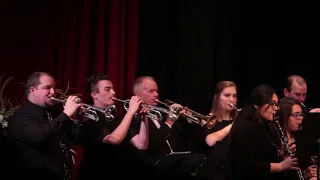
{"points": [[254, 144], [213, 166], [36, 140], [102, 160]]}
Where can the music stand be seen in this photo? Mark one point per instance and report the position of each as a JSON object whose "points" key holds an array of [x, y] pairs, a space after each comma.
{"points": [[176, 153], [309, 134], [308, 141]]}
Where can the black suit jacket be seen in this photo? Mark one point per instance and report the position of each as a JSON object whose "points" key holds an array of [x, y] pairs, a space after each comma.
{"points": [[253, 145], [182, 136], [35, 139]]}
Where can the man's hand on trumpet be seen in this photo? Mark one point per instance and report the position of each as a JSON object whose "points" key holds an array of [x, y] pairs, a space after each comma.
{"points": [[175, 111], [143, 110], [73, 103], [135, 104], [175, 107]]}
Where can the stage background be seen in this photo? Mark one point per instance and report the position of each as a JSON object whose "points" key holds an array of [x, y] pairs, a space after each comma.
{"points": [[187, 45]]}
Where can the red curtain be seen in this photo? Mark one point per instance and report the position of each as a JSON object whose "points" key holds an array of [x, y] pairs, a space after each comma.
{"points": [[70, 39], [95, 36]]}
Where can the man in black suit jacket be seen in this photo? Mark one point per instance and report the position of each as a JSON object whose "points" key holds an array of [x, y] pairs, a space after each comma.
{"points": [[172, 141], [39, 142]]}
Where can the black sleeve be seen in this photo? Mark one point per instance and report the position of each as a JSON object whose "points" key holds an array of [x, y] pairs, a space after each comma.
{"points": [[207, 131], [245, 142], [134, 128], [163, 132], [189, 134], [76, 135], [95, 131], [26, 127]]}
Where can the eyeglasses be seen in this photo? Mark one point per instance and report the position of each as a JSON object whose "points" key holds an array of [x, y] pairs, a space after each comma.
{"points": [[274, 104], [298, 115]]}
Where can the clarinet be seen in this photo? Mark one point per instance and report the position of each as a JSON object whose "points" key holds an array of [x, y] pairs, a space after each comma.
{"points": [[285, 142]]}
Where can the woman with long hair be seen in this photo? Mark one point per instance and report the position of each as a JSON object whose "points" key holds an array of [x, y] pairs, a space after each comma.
{"points": [[291, 115], [255, 150], [216, 130]]}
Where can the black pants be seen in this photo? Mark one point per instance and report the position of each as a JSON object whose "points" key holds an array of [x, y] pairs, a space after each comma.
{"points": [[34, 174], [178, 166]]}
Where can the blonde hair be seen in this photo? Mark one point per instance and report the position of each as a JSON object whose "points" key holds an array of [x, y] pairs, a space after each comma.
{"points": [[216, 107]]}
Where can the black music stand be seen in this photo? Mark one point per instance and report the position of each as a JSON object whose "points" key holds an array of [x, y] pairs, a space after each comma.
{"points": [[306, 139], [310, 132]]}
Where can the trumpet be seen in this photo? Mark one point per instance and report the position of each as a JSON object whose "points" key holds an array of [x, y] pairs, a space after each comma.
{"points": [[210, 119], [174, 112], [153, 112], [90, 111]]}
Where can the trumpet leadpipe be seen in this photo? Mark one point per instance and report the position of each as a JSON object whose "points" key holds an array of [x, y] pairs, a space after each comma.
{"points": [[59, 100], [175, 111], [63, 101]]}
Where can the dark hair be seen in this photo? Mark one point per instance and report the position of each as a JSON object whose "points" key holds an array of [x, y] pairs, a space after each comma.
{"points": [[260, 95], [285, 111], [34, 80], [288, 84], [92, 81]]}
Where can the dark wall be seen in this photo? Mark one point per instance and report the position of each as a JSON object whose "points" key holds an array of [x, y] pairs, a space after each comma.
{"points": [[190, 45]]}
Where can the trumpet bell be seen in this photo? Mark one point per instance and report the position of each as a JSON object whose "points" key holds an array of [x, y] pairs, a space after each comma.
{"points": [[211, 121]]}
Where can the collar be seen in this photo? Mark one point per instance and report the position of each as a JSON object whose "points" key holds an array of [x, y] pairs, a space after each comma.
{"points": [[35, 109]]}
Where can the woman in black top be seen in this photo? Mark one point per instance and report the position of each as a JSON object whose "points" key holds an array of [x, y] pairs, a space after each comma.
{"points": [[291, 115], [217, 129], [254, 147]]}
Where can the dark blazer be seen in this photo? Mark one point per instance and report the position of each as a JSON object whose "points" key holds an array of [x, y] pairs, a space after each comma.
{"points": [[182, 136], [35, 140], [254, 144]]}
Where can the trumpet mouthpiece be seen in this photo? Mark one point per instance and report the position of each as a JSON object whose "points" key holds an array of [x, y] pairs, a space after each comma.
{"points": [[230, 104], [234, 107]]}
